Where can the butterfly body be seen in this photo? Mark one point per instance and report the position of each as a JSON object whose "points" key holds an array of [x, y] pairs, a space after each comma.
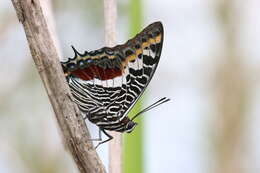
{"points": [[106, 83]]}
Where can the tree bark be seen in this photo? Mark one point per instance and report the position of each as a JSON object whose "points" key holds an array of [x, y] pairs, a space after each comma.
{"points": [[46, 57]]}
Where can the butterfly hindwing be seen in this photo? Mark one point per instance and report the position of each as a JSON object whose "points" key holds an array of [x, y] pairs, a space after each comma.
{"points": [[106, 83]]}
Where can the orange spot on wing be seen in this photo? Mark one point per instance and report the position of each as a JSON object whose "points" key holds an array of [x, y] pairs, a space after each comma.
{"points": [[158, 38]]}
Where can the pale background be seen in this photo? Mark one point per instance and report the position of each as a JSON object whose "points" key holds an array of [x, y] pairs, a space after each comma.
{"points": [[209, 68]]}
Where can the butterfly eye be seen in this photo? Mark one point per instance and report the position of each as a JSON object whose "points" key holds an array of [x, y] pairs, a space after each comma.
{"points": [[130, 126]]}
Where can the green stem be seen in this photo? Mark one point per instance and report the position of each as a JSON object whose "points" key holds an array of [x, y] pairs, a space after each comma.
{"points": [[133, 151]]}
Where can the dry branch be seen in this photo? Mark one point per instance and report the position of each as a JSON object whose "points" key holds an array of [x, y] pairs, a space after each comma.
{"points": [[115, 145], [46, 57]]}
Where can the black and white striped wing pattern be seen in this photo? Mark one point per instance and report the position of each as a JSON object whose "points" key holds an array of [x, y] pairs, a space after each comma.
{"points": [[106, 83]]}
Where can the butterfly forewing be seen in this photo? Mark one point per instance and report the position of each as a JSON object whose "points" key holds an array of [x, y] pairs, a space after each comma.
{"points": [[106, 83]]}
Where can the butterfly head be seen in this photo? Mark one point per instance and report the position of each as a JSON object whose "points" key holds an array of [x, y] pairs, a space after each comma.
{"points": [[130, 126]]}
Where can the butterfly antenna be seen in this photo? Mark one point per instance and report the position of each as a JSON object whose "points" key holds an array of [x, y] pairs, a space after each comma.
{"points": [[159, 102]]}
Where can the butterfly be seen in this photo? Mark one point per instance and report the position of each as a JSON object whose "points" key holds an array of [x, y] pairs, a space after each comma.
{"points": [[106, 83]]}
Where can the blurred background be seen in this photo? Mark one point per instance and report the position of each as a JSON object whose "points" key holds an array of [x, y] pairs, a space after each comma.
{"points": [[209, 67]]}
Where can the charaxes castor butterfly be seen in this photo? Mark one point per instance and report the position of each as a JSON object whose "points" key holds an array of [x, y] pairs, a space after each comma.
{"points": [[106, 83]]}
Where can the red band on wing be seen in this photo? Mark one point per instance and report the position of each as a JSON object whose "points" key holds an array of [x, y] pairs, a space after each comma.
{"points": [[97, 72]]}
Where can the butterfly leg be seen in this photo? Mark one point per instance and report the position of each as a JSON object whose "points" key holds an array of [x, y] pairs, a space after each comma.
{"points": [[108, 135]]}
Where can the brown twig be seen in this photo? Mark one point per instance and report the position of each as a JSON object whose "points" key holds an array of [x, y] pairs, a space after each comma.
{"points": [[115, 145], [46, 57]]}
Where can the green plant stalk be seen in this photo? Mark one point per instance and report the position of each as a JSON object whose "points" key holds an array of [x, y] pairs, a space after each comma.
{"points": [[133, 151]]}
